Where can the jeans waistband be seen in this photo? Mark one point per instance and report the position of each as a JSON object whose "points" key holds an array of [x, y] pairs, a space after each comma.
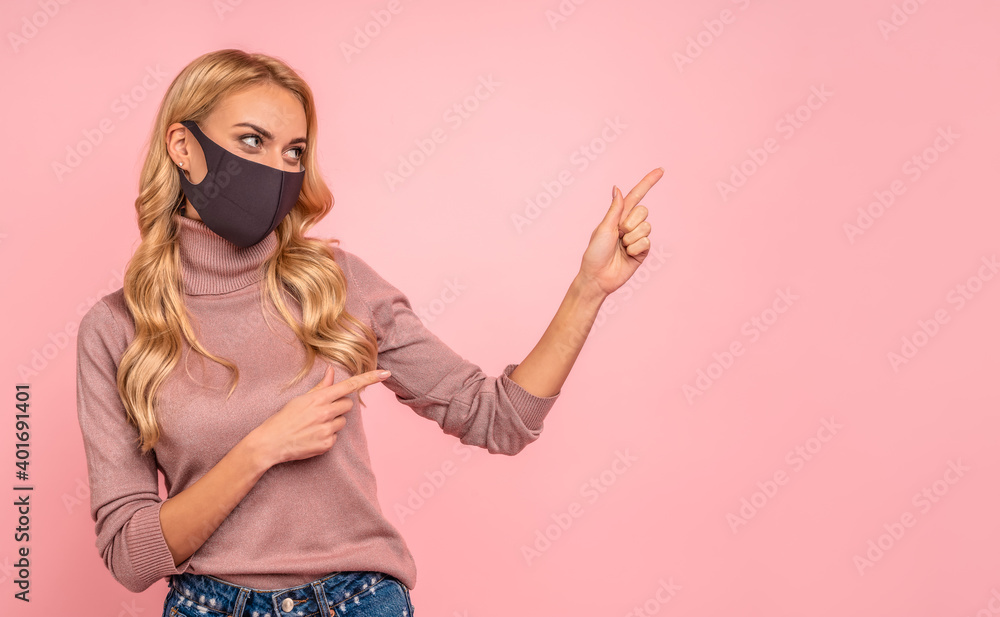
{"points": [[202, 591]]}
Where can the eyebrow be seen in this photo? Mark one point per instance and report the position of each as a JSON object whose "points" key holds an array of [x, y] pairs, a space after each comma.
{"points": [[268, 135]]}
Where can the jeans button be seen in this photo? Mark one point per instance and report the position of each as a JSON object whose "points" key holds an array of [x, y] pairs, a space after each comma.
{"points": [[287, 604]]}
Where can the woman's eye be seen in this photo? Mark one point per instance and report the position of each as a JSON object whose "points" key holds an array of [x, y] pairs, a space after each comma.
{"points": [[246, 137], [298, 151]]}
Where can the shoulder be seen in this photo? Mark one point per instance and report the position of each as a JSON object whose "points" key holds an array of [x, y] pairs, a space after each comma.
{"points": [[368, 291], [107, 322], [347, 260], [358, 272]]}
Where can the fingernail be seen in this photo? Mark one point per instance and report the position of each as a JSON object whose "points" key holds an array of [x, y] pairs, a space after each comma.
{"points": [[614, 189], [384, 374]]}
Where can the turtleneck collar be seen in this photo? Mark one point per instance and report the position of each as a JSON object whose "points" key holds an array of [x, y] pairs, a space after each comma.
{"points": [[210, 264]]}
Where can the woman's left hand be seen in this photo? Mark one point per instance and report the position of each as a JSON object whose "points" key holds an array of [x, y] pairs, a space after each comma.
{"points": [[621, 241]]}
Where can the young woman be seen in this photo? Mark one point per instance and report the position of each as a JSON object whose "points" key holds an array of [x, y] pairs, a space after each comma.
{"points": [[232, 358]]}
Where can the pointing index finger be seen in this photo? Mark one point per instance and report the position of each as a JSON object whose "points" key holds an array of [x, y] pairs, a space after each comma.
{"points": [[639, 190], [356, 382]]}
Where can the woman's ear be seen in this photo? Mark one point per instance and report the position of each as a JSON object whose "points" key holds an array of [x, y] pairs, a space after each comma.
{"points": [[178, 145]]}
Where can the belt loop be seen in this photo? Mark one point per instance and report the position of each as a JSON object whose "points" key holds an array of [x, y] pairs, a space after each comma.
{"points": [[241, 600], [319, 588]]}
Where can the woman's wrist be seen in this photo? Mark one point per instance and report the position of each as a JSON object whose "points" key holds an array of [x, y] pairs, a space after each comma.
{"points": [[258, 451], [586, 289]]}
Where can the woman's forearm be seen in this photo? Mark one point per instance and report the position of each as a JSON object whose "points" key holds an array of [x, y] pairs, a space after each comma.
{"points": [[191, 516], [545, 369]]}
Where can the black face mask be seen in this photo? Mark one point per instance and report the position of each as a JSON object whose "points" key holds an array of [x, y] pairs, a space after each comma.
{"points": [[239, 199]]}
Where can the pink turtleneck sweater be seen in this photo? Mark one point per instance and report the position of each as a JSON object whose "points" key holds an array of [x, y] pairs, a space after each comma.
{"points": [[303, 519]]}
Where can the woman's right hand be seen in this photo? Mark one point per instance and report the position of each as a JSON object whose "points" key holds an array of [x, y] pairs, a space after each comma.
{"points": [[307, 425]]}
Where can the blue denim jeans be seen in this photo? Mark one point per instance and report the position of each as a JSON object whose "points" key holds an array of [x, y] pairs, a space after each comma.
{"points": [[358, 594]]}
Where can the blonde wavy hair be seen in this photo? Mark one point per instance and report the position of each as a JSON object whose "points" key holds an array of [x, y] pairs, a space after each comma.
{"points": [[303, 266]]}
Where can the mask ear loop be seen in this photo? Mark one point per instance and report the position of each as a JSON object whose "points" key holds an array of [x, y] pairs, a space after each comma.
{"points": [[183, 205]]}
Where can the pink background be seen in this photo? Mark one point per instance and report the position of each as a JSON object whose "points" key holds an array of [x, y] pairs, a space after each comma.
{"points": [[697, 87]]}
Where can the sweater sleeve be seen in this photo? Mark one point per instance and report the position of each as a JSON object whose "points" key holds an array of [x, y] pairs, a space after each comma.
{"points": [[124, 487], [494, 413]]}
